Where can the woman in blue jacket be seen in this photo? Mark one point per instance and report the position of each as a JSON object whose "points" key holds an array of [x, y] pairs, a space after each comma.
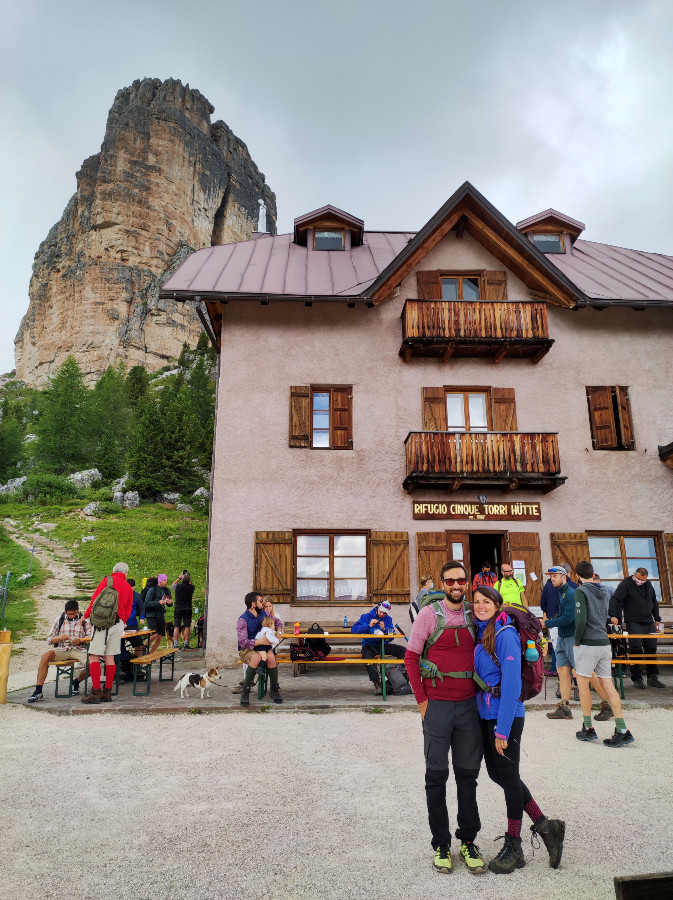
{"points": [[497, 662]]}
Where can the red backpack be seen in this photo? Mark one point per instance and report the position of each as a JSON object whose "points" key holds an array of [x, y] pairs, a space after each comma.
{"points": [[529, 629]]}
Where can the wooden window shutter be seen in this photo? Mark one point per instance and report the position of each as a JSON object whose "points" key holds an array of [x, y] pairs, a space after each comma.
{"points": [[602, 418], [525, 545], [504, 409], [624, 413], [389, 561], [300, 416], [274, 552], [434, 409], [495, 285], [429, 285], [342, 418], [431, 554], [569, 547], [668, 543]]}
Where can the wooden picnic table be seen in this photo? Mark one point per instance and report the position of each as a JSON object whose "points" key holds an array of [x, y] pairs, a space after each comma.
{"points": [[145, 633], [661, 659], [345, 634]]}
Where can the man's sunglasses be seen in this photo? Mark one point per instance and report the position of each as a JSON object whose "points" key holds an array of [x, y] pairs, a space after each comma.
{"points": [[452, 581]]}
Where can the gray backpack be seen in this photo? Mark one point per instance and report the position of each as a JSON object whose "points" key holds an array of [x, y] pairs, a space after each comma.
{"points": [[105, 607]]}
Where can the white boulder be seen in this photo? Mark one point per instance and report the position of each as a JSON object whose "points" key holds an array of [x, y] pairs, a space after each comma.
{"points": [[170, 497], [86, 478], [131, 499], [185, 507], [13, 485], [118, 497], [91, 508]]}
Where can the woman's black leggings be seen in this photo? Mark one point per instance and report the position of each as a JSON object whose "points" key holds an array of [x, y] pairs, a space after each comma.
{"points": [[504, 770]]}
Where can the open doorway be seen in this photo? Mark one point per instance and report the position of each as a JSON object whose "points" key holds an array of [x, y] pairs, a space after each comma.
{"points": [[486, 547]]}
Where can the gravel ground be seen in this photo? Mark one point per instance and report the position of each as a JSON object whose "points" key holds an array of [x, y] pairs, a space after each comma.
{"points": [[298, 805]]}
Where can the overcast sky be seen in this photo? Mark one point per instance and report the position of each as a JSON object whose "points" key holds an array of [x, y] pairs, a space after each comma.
{"points": [[380, 107]]}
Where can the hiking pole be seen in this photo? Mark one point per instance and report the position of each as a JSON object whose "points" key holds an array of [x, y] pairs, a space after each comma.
{"points": [[402, 633]]}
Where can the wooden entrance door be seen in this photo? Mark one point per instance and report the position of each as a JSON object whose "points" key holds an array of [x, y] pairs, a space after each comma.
{"points": [[525, 546]]}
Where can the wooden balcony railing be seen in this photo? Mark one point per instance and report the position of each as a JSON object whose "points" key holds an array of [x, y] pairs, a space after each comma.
{"points": [[459, 328], [509, 460]]}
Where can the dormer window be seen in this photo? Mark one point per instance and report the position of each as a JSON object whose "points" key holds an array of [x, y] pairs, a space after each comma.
{"points": [[328, 239], [549, 243]]}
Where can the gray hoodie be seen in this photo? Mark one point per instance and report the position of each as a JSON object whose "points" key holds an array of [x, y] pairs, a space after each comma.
{"points": [[591, 614]]}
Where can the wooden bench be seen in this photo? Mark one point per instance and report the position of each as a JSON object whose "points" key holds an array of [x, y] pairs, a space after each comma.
{"points": [[144, 664], [658, 886], [262, 673], [662, 658], [65, 667]]}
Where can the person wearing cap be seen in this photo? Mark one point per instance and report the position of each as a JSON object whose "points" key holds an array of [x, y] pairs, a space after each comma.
{"points": [[157, 599], [565, 622], [376, 622], [549, 607]]}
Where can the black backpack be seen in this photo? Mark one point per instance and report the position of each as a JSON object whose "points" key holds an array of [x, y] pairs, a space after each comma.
{"points": [[318, 645]]}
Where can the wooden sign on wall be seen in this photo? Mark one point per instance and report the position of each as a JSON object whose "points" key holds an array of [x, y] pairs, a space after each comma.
{"points": [[478, 512]]}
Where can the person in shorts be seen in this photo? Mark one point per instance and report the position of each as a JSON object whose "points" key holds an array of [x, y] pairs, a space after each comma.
{"points": [[66, 640], [107, 643], [593, 654], [157, 598], [564, 621], [248, 627]]}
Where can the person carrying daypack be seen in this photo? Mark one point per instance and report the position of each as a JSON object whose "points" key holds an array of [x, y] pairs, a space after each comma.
{"points": [[440, 663], [108, 612], [497, 663]]}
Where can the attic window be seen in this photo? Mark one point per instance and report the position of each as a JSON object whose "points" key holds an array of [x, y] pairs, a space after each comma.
{"points": [[332, 239], [549, 243]]}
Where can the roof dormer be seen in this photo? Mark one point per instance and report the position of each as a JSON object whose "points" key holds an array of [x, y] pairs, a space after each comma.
{"points": [[328, 228], [551, 231]]}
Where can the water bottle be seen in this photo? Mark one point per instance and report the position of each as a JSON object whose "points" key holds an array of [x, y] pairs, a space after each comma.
{"points": [[345, 621], [532, 654]]}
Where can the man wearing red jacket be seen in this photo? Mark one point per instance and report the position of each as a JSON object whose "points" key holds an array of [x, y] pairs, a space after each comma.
{"points": [[108, 643], [448, 708]]}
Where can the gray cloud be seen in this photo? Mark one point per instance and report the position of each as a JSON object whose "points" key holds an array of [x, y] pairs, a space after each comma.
{"points": [[380, 107]]}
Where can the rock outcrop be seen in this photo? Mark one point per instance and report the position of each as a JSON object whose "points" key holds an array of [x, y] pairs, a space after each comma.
{"points": [[166, 181]]}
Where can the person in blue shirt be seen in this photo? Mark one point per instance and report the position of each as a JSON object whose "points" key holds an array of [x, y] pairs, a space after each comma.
{"points": [[497, 662], [376, 622]]}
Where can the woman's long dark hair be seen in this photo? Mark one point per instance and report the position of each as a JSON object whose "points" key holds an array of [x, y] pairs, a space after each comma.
{"points": [[488, 637]]}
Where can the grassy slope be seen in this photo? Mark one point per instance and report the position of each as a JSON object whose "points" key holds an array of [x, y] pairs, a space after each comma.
{"points": [[20, 613], [150, 539]]}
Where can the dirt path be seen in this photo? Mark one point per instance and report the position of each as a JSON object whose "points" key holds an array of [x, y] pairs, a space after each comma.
{"points": [[63, 583]]}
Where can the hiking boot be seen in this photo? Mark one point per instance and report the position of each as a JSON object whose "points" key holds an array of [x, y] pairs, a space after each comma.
{"points": [[587, 734], [619, 740], [655, 682], [245, 696], [605, 713], [106, 695], [75, 688], [93, 697], [442, 861], [576, 695], [276, 695], [35, 697], [509, 858], [469, 853], [378, 686], [562, 711], [639, 683], [552, 832], [175, 644]]}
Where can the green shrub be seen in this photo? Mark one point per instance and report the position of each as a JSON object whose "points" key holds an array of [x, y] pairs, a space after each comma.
{"points": [[43, 488], [99, 494]]}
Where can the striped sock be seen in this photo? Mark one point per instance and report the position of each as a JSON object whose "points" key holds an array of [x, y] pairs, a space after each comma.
{"points": [[514, 827], [620, 725], [534, 810]]}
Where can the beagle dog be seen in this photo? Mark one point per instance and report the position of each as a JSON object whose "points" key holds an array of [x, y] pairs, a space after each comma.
{"points": [[194, 679]]}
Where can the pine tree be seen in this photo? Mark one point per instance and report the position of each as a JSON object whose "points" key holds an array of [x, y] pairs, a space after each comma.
{"points": [[11, 447], [137, 383], [65, 427], [113, 418], [201, 399]]}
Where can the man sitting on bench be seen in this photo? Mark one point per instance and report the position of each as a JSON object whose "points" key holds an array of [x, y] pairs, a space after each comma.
{"points": [[376, 622], [65, 639]]}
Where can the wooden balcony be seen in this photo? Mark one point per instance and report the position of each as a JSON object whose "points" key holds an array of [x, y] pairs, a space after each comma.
{"points": [[456, 328], [500, 460]]}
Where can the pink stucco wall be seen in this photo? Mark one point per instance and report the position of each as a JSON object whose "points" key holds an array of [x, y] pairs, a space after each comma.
{"points": [[261, 484]]}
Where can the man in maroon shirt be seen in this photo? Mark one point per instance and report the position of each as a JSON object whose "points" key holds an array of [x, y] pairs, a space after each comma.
{"points": [[108, 643], [450, 719]]}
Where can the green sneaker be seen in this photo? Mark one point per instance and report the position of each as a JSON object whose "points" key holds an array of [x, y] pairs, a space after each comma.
{"points": [[442, 861], [469, 853]]}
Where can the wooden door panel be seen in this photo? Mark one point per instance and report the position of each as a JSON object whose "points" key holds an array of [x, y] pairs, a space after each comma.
{"points": [[525, 546]]}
